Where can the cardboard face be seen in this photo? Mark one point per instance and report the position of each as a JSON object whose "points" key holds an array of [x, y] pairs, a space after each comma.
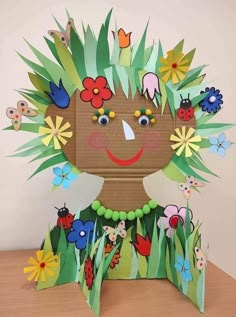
{"points": [[125, 145]]}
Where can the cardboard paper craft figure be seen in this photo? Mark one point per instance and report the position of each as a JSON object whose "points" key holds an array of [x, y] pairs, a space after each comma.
{"points": [[121, 114]]}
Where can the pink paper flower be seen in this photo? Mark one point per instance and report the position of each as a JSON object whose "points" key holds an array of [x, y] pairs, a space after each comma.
{"points": [[173, 217], [151, 84]]}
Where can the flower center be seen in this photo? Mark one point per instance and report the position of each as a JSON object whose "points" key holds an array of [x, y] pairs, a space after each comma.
{"points": [[63, 175], [42, 265], [174, 65], [96, 91], [174, 221], [183, 268], [55, 133], [212, 99], [82, 233]]}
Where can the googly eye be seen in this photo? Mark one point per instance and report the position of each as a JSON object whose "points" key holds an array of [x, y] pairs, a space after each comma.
{"points": [[103, 120], [143, 120]]}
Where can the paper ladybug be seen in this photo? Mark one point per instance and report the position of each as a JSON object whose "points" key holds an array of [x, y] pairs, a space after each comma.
{"points": [[185, 111], [65, 219]]}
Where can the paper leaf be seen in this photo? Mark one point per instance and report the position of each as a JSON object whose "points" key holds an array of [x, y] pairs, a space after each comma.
{"points": [[190, 76], [108, 73], [41, 108], [178, 48], [29, 127], [134, 265], [90, 48], [204, 119], [116, 49], [151, 64], [62, 247], [138, 60], [196, 163], [131, 75], [53, 50], [35, 95], [162, 253], [48, 151], [124, 81], [126, 255], [32, 151], [147, 54], [95, 303], [57, 159], [35, 142], [77, 51], [100, 251], [196, 100], [154, 258], [189, 56], [201, 291], [195, 82], [38, 83], [212, 128], [60, 27], [168, 268], [172, 172], [171, 101]]}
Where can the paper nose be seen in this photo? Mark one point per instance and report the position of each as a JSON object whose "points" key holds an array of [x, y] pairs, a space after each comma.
{"points": [[128, 131]]}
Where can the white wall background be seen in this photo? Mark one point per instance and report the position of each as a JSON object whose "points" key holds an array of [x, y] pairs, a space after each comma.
{"points": [[27, 207]]}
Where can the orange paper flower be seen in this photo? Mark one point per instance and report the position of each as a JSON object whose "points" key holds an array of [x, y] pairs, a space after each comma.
{"points": [[124, 38], [115, 259]]}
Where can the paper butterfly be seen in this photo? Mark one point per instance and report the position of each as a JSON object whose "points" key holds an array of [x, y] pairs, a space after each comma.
{"points": [[22, 109], [201, 258], [65, 37], [186, 187], [113, 233]]}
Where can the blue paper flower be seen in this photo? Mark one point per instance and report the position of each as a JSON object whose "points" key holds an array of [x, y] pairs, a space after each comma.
{"points": [[64, 176], [183, 266], [59, 95], [213, 101], [81, 233], [219, 145]]}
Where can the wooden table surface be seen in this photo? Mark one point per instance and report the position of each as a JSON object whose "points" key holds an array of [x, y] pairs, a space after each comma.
{"points": [[143, 298]]}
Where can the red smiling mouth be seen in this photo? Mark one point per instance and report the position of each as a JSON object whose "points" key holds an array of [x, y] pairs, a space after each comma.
{"points": [[128, 162]]}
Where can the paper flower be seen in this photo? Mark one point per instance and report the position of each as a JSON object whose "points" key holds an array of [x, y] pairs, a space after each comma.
{"points": [[142, 245], [115, 259], [219, 145], [88, 272], [124, 38], [57, 133], [151, 85], [173, 217], [41, 266], [183, 266], [185, 141], [213, 101], [81, 233], [64, 176], [59, 95], [175, 67], [95, 91]]}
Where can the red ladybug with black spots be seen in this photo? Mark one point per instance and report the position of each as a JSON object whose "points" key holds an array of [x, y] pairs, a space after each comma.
{"points": [[185, 111], [65, 219]]}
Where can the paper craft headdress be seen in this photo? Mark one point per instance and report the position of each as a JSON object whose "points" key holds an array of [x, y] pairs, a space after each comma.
{"points": [[121, 113]]}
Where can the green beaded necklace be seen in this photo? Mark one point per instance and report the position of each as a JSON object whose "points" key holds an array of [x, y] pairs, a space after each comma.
{"points": [[123, 215]]}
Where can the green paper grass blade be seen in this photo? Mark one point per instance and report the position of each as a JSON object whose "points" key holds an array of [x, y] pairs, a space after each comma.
{"points": [[205, 143], [53, 50], [212, 128], [50, 280], [171, 100], [187, 228], [124, 80], [196, 100], [38, 119], [90, 48], [77, 51], [172, 263], [172, 172], [69, 269], [60, 27], [147, 54], [109, 258], [62, 247], [180, 163], [179, 251], [125, 56], [55, 71], [37, 68], [168, 267], [162, 253], [100, 251], [41, 108], [32, 151], [154, 258], [195, 82], [108, 74], [138, 60], [151, 64], [160, 54], [116, 49], [28, 127], [134, 265], [103, 53], [189, 56], [38, 83], [131, 75], [43, 98], [35, 142], [35, 96], [205, 118], [163, 95], [67, 62], [47, 152], [201, 291], [78, 261], [95, 304], [180, 234], [190, 76], [126, 255], [178, 48], [68, 14], [196, 163], [57, 159]]}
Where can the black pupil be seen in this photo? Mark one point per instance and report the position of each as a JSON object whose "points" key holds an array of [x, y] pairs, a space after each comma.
{"points": [[103, 121], [22, 104], [144, 122], [63, 39], [11, 111]]}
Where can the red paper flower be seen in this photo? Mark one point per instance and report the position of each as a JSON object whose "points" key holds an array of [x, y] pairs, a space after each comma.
{"points": [[115, 259], [95, 91], [142, 245], [88, 272]]}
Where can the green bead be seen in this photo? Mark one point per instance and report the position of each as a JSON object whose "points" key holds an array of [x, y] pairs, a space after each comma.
{"points": [[152, 204], [96, 204], [139, 213], [101, 211], [123, 215], [115, 216], [131, 215], [108, 214], [146, 209]]}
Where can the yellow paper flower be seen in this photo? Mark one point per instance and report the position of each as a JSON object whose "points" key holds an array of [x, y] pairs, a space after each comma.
{"points": [[185, 141], [175, 67], [55, 132], [41, 267]]}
